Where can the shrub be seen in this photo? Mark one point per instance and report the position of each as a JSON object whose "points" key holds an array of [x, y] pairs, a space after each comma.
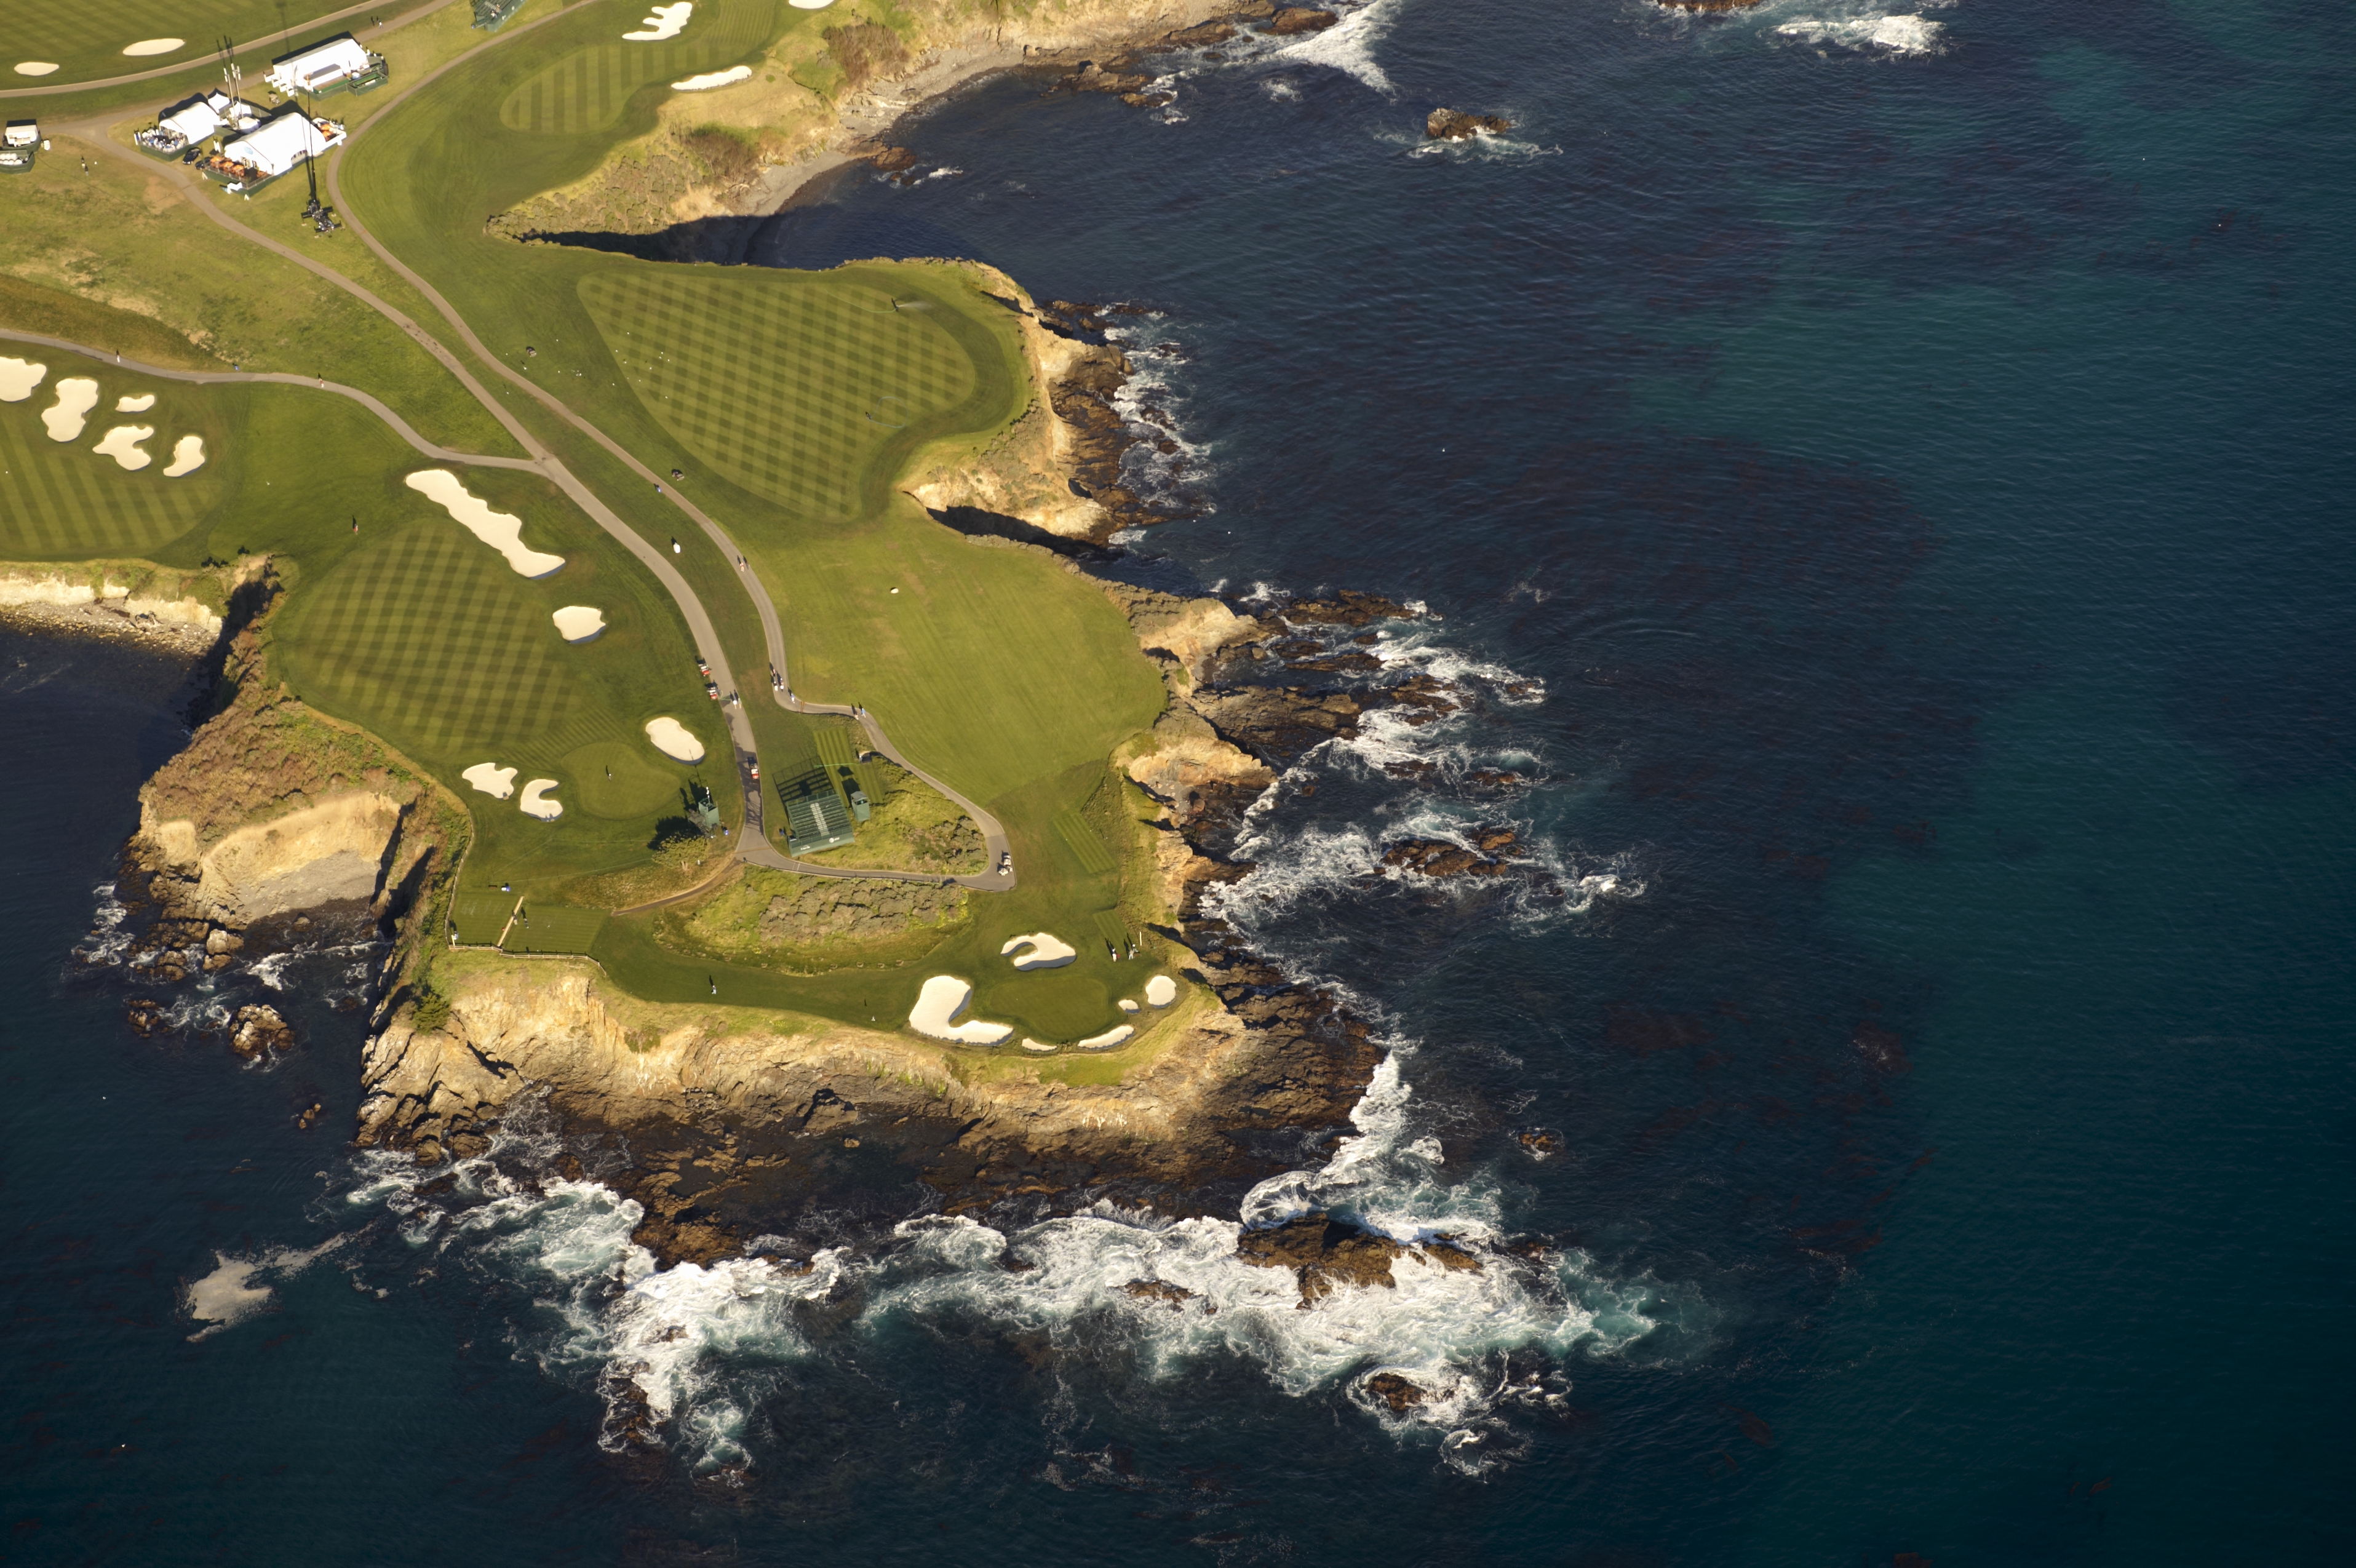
{"points": [[863, 50]]}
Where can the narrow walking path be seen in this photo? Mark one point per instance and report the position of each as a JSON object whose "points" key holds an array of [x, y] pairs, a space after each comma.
{"points": [[754, 846], [751, 846], [56, 89]]}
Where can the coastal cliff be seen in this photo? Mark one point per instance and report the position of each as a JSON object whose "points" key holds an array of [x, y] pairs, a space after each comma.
{"points": [[822, 97]]}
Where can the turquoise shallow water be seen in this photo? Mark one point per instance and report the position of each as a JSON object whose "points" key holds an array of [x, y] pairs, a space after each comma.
{"points": [[1917, 480]]}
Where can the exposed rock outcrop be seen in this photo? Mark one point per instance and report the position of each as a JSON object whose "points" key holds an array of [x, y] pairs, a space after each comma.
{"points": [[1294, 20], [1327, 1252], [1455, 126], [731, 1113]]}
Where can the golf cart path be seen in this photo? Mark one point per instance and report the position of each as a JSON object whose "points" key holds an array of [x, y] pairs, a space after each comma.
{"points": [[750, 846], [753, 845], [56, 88]]}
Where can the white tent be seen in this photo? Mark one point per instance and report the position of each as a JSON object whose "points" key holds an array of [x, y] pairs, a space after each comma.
{"points": [[276, 146], [195, 120], [321, 65]]}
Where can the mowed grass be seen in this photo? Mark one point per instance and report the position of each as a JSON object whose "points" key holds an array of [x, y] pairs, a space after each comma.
{"points": [[587, 88], [63, 501], [427, 637], [794, 402], [396, 618], [86, 40], [788, 389]]}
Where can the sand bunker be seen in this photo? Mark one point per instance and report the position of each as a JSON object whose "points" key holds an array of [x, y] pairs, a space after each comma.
{"points": [[712, 79], [121, 443], [1127, 1005], [665, 23], [188, 457], [1106, 1041], [672, 739], [492, 779], [936, 1009], [503, 531], [139, 404], [154, 45], [36, 66], [809, 5], [1031, 1044], [1162, 991], [579, 623], [1045, 951], [535, 803], [19, 377], [77, 395]]}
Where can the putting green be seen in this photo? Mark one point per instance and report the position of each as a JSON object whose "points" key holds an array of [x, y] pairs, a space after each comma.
{"points": [[586, 90], [425, 631], [776, 380]]}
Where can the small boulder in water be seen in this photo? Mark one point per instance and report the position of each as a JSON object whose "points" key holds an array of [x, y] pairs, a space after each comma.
{"points": [[1395, 1391], [1295, 19], [146, 1016], [1160, 1289], [259, 1030], [1455, 126]]}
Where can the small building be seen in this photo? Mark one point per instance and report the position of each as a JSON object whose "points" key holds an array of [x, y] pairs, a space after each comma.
{"points": [[339, 65], [816, 821], [22, 133], [271, 149]]}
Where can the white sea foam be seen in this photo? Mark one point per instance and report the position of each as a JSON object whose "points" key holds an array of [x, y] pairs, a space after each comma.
{"points": [[1897, 34], [1348, 46], [236, 1289]]}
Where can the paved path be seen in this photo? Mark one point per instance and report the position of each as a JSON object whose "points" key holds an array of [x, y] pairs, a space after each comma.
{"points": [[261, 54], [754, 846]]}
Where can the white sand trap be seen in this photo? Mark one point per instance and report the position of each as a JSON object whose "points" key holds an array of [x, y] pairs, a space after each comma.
{"points": [[535, 803], [1162, 991], [809, 5], [936, 1009], [1127, 1005], [672, 739], [1031, 1044], [1045, 951], [36, 66], [492, 779], [121, 443], [1106, 1041], [139, 404], [579, 623], [712, 79], [503, 531], [77, 395], [19, 377], [156, 46], [666, 22], [188, 457]]}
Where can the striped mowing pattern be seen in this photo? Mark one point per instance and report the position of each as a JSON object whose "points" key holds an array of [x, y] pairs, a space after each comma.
{"points": [[1094, 857], [784, 385], [64, 500], [587, 88], [420, 635]]}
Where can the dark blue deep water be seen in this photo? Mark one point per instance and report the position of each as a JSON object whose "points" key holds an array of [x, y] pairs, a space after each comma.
{"points": [[1886, 481]]}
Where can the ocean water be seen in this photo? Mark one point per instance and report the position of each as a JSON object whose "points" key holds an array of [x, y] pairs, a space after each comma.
{"points": [[1881, 480]]}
